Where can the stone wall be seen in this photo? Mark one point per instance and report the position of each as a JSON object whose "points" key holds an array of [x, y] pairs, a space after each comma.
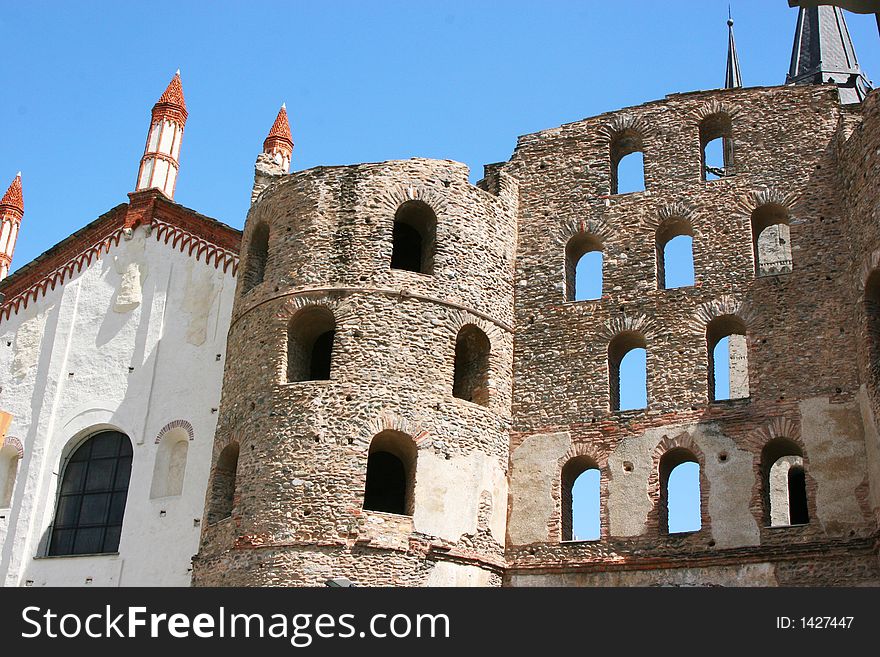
{"points": [[298, 514], [803, 374]]}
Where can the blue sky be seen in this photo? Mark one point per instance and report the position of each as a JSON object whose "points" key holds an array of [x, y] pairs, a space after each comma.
{"points": [[363, 81]]}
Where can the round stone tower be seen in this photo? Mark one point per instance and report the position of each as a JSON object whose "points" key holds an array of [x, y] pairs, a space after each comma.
{"points": [[363, 429]]}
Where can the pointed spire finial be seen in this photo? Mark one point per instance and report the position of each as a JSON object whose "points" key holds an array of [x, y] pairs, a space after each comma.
{"points": [[823, 52], [173, 95], [279, 138], [13, 198], [733, 77], [274, 161]]}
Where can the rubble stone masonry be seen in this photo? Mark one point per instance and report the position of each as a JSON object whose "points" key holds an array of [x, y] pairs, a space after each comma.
{"points": [[488, 506]]}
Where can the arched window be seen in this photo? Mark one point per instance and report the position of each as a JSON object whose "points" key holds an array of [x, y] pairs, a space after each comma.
{"points": [[391, 469], [583, 267], [716, 146], [627, 371], [580, 499], [680, 504], [414, 235], [310, 337], [784, 484], [170, 467], [627, 162], [728, 358], [92, 495], [257, 254], [8, 470], [222, 491], [675, 256], [771, 238], [471, 371]]}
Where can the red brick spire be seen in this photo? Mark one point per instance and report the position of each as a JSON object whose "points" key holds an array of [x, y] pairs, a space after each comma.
{"points": [[13, 196], [11, 213], [172, 97], [279, 143], [161, 161]]}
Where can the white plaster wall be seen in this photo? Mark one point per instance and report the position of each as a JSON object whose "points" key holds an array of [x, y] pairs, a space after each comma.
{"points": [[131, 343]]}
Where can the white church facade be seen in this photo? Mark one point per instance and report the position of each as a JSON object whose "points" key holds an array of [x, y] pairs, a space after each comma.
{"points": [[112, 348]]}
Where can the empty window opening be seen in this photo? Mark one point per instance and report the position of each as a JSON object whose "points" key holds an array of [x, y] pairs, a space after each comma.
{"points": [[728, 366], [310, 337], [628, 372], [583, 268], [471, 370], [797, 496], [771, 239], [92, 496], [627, 163], [716, 145], [414, 235], [680, 504], [8, 470], [580, 500], [257, 254], [784, 484], [222, 492], [170, 467], [675, 256], [390, 482]]}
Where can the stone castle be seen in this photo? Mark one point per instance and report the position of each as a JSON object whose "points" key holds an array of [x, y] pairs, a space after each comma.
{"points": [[400, 382]]}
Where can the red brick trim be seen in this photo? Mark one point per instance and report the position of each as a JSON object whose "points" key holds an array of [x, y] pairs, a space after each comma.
{"points": [[174, 424], [15, 443], [182, 228]]}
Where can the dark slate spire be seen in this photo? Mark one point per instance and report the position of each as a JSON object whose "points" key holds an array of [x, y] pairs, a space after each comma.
{"points": [[733, 78], [823, 51]]}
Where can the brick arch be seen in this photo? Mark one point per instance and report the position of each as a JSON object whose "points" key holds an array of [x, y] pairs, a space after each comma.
{"points": [[751, 201], [388, 421], [670, 212], [623, 323], [575, 227], [712, 108], [777, 427], [622, 122], [176, 424], [396, 195], [723, 305], [458, 319], [340, 307], [15, 443]]}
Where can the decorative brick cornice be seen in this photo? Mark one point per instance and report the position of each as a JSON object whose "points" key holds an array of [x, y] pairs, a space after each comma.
{"points": [[181, 228]]}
